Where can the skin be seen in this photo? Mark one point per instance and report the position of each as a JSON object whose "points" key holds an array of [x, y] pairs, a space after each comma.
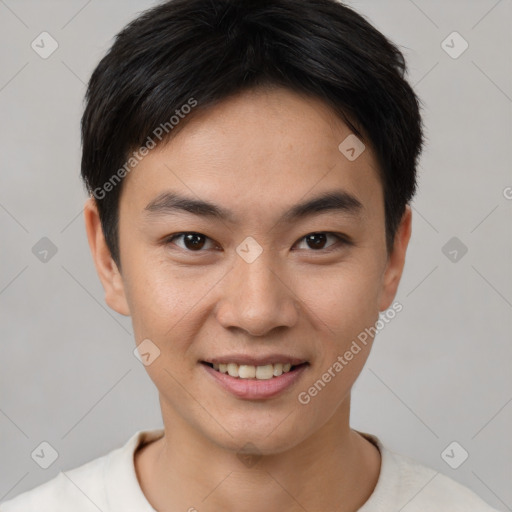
{"points": [[258, 154]]}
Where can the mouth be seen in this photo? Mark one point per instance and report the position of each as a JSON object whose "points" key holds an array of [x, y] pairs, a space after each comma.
{"points": [[256, 381], [254, 372]]}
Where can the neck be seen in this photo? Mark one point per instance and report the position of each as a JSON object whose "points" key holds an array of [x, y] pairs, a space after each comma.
{"points": [[334, 469]]}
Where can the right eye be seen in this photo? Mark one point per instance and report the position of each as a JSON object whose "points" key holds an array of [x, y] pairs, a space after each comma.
{"points": [[192, 241]]}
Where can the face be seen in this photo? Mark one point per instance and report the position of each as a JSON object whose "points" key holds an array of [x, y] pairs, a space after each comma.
{"points": [[286, 263]]}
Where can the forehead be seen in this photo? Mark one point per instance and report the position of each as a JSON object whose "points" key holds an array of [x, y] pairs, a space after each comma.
{"points": [[259, 148]]}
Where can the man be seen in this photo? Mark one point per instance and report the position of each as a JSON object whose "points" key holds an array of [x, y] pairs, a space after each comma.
{"points": [[250, 166]]}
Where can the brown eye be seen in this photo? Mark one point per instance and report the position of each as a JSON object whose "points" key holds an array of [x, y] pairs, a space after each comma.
{"points": [[317, 241], [192, 242]]}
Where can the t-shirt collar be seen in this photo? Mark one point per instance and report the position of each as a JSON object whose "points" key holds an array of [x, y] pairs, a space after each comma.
{"points": [[123, 490], [124, 493]]}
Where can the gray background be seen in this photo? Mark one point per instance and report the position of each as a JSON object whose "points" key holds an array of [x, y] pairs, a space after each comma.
{"points": [[439, 372]]}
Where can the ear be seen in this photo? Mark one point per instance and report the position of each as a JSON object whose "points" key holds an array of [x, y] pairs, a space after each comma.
{"points": [[396, 260], [106, 267]]}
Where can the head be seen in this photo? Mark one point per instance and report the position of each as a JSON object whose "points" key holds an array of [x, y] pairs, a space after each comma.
{"points": [[229, 213]]}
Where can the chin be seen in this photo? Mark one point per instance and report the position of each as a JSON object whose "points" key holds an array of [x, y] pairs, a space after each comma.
{"points": [[275, 434]]}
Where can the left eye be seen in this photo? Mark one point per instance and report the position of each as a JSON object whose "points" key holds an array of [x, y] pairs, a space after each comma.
{"points": [[317, 240], [194, 242]]}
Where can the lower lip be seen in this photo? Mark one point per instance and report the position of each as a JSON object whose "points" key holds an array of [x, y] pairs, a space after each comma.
{"points": [[254, 389]]}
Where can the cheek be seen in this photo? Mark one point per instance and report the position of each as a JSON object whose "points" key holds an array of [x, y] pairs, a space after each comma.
{"points": [[342, 304], [166, 301], [344, 301]]}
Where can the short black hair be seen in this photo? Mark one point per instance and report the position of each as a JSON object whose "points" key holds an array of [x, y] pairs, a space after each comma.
{"points": [[183, 56]]}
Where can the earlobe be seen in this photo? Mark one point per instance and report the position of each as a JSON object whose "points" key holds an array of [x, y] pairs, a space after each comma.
{"points": [[106, 267], [396, 260]]}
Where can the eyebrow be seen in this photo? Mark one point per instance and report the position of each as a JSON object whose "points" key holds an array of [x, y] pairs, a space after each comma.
{"points": [[170, 203]]}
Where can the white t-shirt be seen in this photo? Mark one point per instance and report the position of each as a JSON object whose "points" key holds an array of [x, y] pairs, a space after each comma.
{"points": [[109, 484]]}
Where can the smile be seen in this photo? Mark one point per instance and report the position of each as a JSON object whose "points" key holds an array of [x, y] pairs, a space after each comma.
{"points": [[255, 382], [247, 371]]}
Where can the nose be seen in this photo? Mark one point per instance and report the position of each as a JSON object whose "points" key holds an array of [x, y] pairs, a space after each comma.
{"points": [[257, 298]]}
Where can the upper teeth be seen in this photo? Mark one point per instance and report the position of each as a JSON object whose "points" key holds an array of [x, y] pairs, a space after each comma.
{"points": [[247, 371]]}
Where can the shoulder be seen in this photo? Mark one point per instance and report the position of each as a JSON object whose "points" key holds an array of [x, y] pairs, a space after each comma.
{"points": [[106, 483], [430, 490], [407, 485], [80, 490]]}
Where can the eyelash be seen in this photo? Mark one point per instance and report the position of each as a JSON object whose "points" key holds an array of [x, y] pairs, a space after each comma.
{"points": [[341, 239]]}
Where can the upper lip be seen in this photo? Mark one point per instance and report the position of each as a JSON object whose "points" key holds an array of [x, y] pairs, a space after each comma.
{"points": [[255, 360]]}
